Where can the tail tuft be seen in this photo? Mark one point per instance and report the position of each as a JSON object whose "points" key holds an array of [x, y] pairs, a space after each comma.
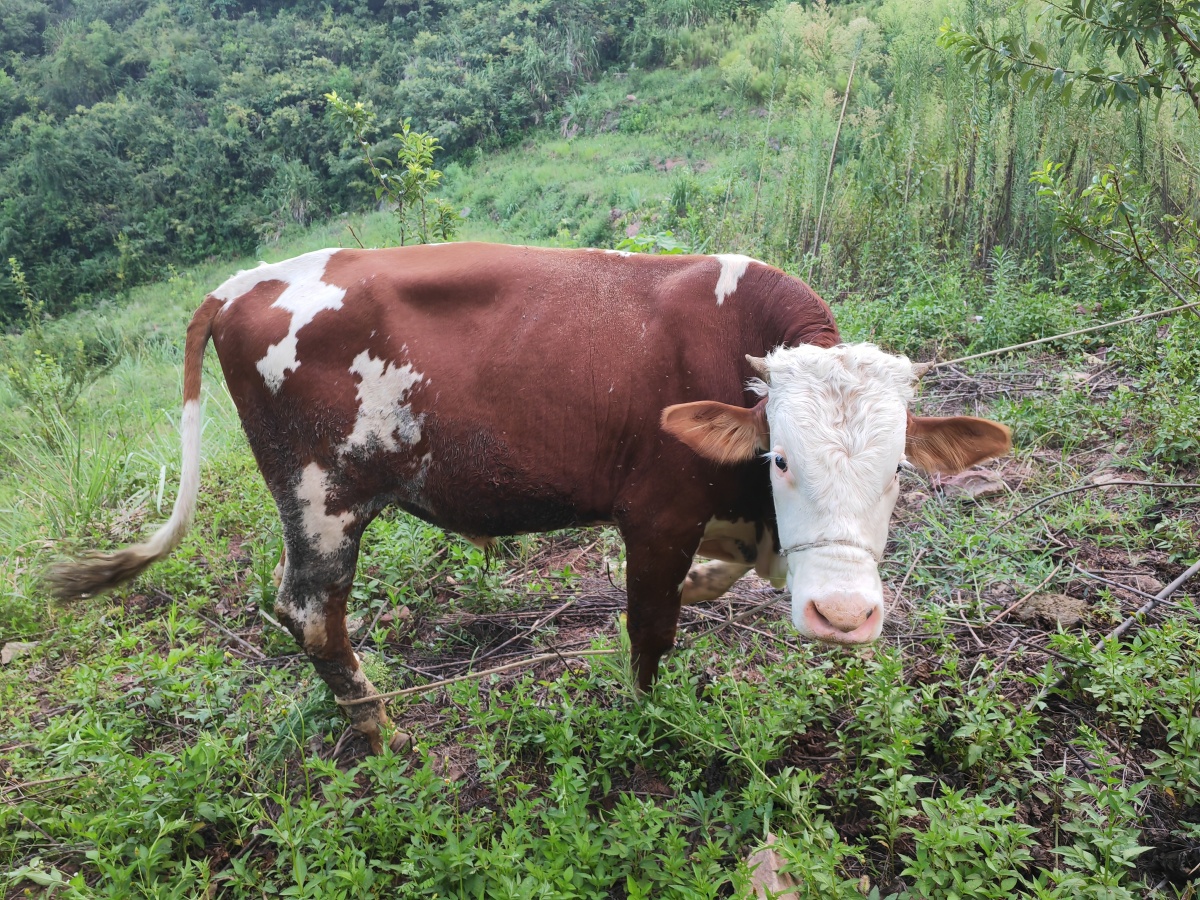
{"points": [[98, 572]]}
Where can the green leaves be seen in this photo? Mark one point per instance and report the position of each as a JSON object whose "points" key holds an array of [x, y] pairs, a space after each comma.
{"points": [[412, 177], [1152, 42]]}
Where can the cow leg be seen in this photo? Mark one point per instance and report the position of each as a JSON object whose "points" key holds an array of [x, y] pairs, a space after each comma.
{"points": [[655, 571], [709, 580], [312, 604]]}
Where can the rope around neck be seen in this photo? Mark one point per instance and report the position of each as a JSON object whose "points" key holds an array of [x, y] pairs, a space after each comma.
{"points": [[812, 545]]}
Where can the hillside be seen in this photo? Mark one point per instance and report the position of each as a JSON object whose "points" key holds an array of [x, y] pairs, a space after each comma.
{"points": [[169, 741], [142, 135]]}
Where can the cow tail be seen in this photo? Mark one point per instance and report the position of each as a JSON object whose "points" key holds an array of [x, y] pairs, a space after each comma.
{"points": [[98, 572]]}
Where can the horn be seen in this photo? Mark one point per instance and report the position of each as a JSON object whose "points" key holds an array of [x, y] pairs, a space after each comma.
{"points": [[920, 369], [759, 365]]}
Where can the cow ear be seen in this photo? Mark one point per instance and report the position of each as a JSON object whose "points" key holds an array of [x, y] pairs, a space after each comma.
{"points": [[949, 445], [717, 431]]}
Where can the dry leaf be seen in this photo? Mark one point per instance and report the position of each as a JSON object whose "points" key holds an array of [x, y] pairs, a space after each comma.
{"points": [[1108, 476], [765, 877], [13, 649], [973, 483]]}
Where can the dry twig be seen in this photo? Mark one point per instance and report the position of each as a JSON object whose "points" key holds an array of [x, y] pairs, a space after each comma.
{"points": [[1001, 615], [241, 642], [14, 788], [929, 367], [1149, 605]]}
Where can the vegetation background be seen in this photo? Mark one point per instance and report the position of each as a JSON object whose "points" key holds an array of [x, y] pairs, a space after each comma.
{"points": [[168, 742]]}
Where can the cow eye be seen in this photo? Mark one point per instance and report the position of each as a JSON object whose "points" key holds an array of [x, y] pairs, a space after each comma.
{"points": [[780, 463], [898, 468]]}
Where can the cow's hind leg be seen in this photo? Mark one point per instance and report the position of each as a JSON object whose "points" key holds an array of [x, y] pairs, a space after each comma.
{"points": [[312, 604], [277, 575], [709, 580]]}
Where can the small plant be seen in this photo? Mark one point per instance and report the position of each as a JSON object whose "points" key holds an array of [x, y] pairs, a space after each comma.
{"points": [[664, 243], [407, 182], [970, 849], [1104, 820], [50, 379]]}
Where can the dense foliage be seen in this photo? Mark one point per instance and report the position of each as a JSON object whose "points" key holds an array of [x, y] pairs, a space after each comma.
{"points": [[136, 132], [139, 133]]}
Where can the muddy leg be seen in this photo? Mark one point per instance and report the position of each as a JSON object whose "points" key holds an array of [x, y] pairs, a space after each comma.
{"points": [[312, 604], [709, 580]]}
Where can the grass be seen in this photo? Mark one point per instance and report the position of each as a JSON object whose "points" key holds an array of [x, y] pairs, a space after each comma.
{"points": [[148, 752]]}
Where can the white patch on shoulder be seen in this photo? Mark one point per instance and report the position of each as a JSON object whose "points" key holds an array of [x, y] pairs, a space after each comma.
{"points": [[305, 296], [733, 267], [327, 532], [382, 413], [243, 282]]}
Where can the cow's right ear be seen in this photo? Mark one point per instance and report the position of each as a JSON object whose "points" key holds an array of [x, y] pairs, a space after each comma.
{"points": [[949, 445], [718, 431]]}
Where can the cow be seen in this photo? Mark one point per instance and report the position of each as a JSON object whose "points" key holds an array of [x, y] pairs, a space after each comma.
{"points": [[704, 405]]}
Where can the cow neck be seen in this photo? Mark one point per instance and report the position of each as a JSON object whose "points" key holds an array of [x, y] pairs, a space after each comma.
{"points": [[789, 313]]}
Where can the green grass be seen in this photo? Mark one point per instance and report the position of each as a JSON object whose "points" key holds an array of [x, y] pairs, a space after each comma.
{"points": [[145, 752]]}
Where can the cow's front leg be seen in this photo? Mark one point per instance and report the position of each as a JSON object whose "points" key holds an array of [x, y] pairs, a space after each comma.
{"points": [[709, 580], [312, 604], [656, 566]]}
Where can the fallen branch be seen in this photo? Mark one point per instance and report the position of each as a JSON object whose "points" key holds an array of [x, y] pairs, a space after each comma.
{"points": [[904, 581], [1088, 487], [270, 618], [737, 623], [925, 368], [1127, 589], [1149, 605], [241, 642], [1121, 629], [471, 676], [532, 628], [13, 788]]}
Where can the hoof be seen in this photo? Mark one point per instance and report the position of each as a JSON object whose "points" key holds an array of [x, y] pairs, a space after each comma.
{"points": [[373, 730], [398, 743]]}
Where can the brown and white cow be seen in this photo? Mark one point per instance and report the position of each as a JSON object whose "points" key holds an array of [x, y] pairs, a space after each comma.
{"points": [[703, 404]]}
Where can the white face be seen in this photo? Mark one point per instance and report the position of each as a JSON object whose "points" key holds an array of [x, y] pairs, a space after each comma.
{"points": [[837, 421]]}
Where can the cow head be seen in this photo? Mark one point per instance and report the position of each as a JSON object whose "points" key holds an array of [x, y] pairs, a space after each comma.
{"points": [[835, 428]]}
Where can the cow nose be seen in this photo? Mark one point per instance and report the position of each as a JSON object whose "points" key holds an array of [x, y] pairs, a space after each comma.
{"points": [[843, 618]]}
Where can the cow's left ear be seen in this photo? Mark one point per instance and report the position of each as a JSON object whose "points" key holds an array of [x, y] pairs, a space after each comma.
{"points": [[949, 445], [718, 431]]}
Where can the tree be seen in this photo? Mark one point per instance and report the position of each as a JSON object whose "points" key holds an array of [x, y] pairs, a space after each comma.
{"points": [[1162, 36], [408, 182], [1138, 49]]}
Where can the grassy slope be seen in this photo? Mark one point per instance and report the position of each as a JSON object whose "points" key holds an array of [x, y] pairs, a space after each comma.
{"points": [[146, 751]]}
